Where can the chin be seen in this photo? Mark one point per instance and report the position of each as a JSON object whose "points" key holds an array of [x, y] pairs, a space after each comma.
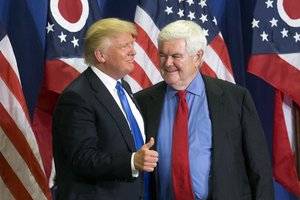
{"points": [[170, 81], [129, 70]]}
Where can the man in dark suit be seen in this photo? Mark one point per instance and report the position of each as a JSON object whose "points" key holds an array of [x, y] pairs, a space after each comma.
{"points": [[93, 144], [226, 153]]}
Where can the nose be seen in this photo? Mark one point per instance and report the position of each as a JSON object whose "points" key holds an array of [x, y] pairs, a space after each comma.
{"points": [[169, 61], [132, 50]]}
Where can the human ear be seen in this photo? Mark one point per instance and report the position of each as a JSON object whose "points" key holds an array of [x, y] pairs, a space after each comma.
{"points": [[198, 57], [99, 55]]}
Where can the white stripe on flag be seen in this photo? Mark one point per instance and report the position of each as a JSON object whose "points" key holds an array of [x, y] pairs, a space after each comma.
{"points": [[6, 49], [145, 22], [135, 87], [5, 193], [143, 60], [76, 63], [292, 59], [19, 166], [13, 107], [215, 63]]}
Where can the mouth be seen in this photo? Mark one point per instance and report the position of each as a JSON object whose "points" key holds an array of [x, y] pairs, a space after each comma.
{"points": [[170, 70]]}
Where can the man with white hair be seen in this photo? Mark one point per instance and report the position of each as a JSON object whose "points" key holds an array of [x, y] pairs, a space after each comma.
{"points": [[208, 135]]}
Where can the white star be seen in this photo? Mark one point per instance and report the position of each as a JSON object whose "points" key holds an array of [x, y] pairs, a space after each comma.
{"points": [[206, 32], [62, 37], [297, 37], [191, 15], [264, 36], [269, 3], [190, 2], [180, 13], [180, 1], [169, 10], [202, 3], [215, 21], [273, 22], [75, 42], [203, 18], [284, 33], [255, 23], [49, 27]]}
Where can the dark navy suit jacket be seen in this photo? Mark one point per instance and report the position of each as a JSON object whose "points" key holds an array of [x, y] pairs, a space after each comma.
{"points": [[92, 144]]}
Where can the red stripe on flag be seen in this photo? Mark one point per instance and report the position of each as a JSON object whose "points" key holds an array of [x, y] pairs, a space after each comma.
{"points": [[278, 73], [12, 182], [139, 75], [42, 124], [218, 45], [283, 159], [206, 70], [19, 141], [12, 81], [146, 43], [58, 75]]}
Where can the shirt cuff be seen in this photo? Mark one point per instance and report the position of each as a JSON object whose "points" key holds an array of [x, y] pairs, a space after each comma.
{"points": [[134, 172]]}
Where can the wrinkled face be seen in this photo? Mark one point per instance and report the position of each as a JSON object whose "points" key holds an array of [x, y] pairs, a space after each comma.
{"points": [[118, 58], [177, 68]]}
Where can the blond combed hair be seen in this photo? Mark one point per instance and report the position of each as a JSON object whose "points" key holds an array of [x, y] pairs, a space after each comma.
{"points": [[100, 32]]}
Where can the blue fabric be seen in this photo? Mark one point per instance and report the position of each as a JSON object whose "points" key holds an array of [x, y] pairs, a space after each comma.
{"points": [[200, 140], [137, 135], [138, 140]]}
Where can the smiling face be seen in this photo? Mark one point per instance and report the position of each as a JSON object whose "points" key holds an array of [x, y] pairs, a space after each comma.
{"points": [[177, 68], [117, 59]]}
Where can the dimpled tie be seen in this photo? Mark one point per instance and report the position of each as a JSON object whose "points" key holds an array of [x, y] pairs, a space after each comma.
{"points": [[137, 135], [181, 176]]}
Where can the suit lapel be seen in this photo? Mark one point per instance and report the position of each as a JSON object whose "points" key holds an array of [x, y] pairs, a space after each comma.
{"points": [[215, 104], [129, 92], [105, 98], [154, 103]]}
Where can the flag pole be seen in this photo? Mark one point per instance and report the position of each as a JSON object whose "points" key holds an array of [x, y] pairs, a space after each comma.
{"points": [[297, 138]]}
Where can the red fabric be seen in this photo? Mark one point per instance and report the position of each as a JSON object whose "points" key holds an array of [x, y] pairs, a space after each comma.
{"points": [[181, 176], [285, 171]]}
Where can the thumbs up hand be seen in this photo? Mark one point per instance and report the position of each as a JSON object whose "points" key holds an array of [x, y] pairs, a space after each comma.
{"points": [[146, 159]]}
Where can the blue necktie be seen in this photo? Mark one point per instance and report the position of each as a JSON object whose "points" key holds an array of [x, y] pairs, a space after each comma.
{"points": [[137, 135]]}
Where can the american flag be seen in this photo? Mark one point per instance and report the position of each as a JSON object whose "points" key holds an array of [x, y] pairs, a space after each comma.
{"points": [[276, 59], [65, 31], [151, 16], [21, 171]]}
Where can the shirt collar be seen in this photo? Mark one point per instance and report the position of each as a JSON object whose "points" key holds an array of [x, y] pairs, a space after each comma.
{"points": [[109, 82], [196, 87]]}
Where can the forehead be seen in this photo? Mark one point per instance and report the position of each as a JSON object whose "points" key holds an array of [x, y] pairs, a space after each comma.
{"points": [[172, 45]]}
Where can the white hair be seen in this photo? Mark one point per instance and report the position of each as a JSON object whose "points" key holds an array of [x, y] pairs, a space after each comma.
{"points": [[190, 31]]}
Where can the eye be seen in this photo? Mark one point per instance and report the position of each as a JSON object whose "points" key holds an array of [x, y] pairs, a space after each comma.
{"points": [[124, 46], [177, 56], [161, 55], [127, 45]]}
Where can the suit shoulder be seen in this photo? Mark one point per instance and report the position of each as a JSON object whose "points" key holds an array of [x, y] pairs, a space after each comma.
{"points": [[78, 84], [224, 85], [151, 90]]}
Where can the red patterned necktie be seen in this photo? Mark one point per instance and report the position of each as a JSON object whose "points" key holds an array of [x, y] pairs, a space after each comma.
{"points": [[181, 176]]}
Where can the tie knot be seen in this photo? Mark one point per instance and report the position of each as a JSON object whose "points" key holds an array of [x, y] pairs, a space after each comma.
{"points": [[119, 86], [181, 94]]}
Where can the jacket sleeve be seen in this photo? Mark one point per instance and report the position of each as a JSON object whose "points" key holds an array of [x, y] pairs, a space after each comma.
{"points": [[256, 152]]}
